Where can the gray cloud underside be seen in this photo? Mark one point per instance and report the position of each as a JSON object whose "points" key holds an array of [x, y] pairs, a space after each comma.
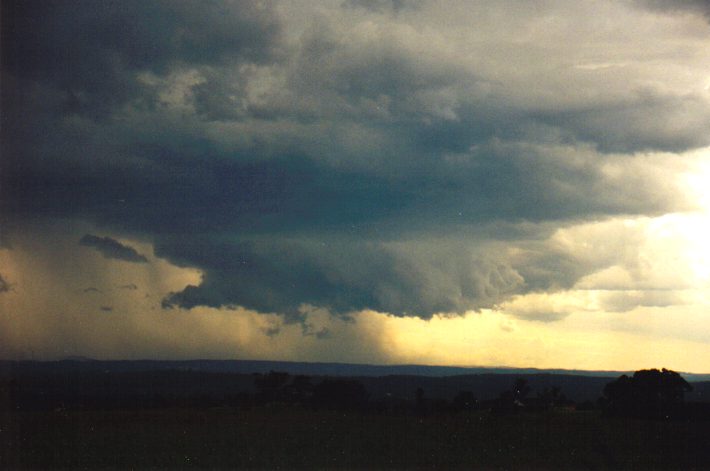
{"points": [[111, 248], [4, 285], [418, 277], [626, 301], [340, 168], [674, 6], [89, 51], [401, 278]]}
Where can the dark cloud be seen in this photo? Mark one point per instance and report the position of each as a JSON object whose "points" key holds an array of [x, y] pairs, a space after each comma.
{"points": [[111, 248], [320, 334], [382, 5], [343, 276], [4, 241], [5, 286], [648, 121], [541, 315], [674, 6], [493, 182], [129, 286], [271, 331], [90, 52], [399, 78], [404, 278], [91, 289], [106, 308], [310, 170], [409, 277], [413, 166]]}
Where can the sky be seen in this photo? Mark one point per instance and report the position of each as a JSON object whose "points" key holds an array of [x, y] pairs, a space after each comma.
{"points": [[470, 183]]}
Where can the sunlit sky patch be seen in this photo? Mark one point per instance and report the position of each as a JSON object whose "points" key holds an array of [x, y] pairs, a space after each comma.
{"points": [[469, 183]]}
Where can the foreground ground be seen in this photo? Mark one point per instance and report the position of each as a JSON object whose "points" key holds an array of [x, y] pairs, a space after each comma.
{"points": [[291, 437]]}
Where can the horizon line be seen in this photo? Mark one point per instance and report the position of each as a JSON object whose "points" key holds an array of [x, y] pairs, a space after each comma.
{"points": [[80, 358]]}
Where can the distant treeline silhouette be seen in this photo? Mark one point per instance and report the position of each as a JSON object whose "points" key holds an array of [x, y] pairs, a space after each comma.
{"points": [[344, 393], [649, 394]]}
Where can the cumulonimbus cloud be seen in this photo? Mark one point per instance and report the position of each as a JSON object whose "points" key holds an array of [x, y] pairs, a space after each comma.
{"points": [[298, 161]]}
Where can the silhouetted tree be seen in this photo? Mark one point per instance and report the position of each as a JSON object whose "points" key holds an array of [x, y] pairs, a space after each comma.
{"points": [[520, 389], [512, 400], [465, 400], [648, 393]]}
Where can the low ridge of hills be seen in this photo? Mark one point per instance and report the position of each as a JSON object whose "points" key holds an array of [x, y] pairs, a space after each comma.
{"points": [[308, 368], [220, 377]]}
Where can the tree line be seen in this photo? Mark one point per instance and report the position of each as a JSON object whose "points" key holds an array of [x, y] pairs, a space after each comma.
{"points": [[653, 393]]}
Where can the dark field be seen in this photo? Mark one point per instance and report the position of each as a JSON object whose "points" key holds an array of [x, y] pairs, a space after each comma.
{"points": [[285, 437], [93, 415]]}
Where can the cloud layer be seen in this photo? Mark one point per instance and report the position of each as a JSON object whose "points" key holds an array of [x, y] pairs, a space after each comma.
{"points": [[111, 248], [4, 285], [393, 156]]}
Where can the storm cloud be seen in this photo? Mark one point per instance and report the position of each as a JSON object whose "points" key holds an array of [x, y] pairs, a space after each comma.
{"points": [[111, 248], [392, 156], [417, 279], [675, 6], [89, 55], [4, 285]]}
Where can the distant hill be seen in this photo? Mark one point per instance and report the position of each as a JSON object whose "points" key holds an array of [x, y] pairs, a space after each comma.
{"points": [[224, 377], [78, 358], [309, 368]]}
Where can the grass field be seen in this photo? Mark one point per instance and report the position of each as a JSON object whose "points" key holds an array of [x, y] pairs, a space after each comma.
{"points": [[290, 437]]}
